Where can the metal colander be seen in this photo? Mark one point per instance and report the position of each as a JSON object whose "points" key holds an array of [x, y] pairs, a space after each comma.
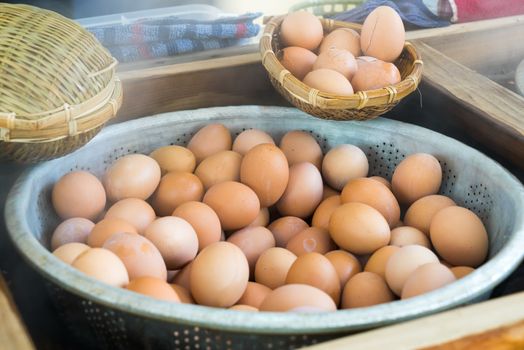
{"points": [[106, 317]]}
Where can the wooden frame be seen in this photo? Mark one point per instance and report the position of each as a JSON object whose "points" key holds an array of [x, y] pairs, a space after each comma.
{"points": [[494, 324]]}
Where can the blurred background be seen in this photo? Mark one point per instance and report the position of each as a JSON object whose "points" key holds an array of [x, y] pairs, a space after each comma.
{"points": [[82, 8]]}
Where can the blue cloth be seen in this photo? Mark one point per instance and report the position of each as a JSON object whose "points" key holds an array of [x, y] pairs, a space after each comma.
{"points": [[172, 28], [169, 36], [413, 12], [159, 49]]}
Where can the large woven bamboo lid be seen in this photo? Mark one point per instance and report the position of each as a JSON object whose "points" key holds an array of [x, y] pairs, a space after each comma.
{"points": [[57, 80]]}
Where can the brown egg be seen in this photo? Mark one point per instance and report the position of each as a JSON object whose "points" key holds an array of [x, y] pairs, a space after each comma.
{"points": [[219, 275], [303, 192], [371, 192], [132, 176], [378, 260], [78, 194], [139, 255], [417, 176], [175, 239], [106, 228], [183, 276], [133, 210], [421, 212], [204, 221], [328, 192], [265, 170], [403, 262], [344, 39], [71, 230], [323, 212], [461, 271], [254, 294], [298, 298], [272, 267], [174, 158], [426, 278], [68, 252], [300, 146], [315, 270], [176, 189], [250, 138], [262, 218], [312, 239], [253, 241], [359, 228], [241, 307], [183, 294], [285, 228], [405, 235], [343, 163], [365, 289], [339, 60], [219, 167], [209, 140], [382, 35], [301, 29], [103, 265], [329, 81], [382, 181], [297, 60], [236, 204], [374, 74], [346, 265], [153, 287], [459, 236]]}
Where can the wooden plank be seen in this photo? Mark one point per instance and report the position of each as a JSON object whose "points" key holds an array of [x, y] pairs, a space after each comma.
{"points": [[188, 87], [465, 28], [499, 121], [488, 51], [13, 334], [481, 323], [188, 67]]}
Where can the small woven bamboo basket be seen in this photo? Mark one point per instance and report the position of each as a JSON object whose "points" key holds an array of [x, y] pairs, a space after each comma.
{"points": [[362, 105], [58, 85]]}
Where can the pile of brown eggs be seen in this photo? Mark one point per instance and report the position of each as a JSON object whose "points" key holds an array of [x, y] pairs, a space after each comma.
{"points": [[250, 225], [343, 61]]}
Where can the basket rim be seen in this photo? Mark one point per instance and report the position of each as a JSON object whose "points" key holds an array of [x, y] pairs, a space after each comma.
{"points": [[475, 284], [316, 98], [68, 121]]}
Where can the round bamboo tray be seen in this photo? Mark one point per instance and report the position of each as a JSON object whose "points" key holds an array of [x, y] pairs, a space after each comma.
{"points": [[58, 85], [362, 105]]}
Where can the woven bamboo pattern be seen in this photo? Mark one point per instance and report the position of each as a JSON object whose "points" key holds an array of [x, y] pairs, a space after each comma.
{"points": [[58, 85], [362, 105]]}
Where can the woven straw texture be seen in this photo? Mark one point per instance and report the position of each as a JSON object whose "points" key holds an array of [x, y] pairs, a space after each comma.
{"points": [[362, 105], [58, 84]]}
